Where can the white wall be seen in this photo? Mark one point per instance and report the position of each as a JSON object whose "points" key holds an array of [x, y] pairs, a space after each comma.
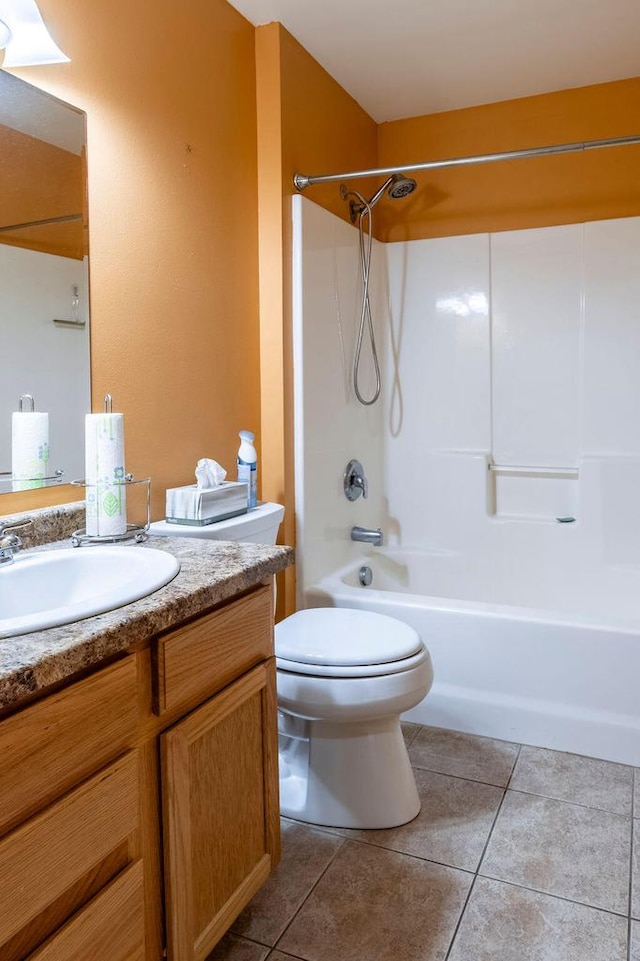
{"points": [[331, 427], [516, 349], [545, 377], [39, 358]]}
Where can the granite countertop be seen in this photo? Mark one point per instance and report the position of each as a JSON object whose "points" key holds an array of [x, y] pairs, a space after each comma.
{"points": [[211, 572]]}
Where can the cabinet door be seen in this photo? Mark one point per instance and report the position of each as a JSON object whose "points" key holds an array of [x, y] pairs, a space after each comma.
{"points": [[220, 811]]}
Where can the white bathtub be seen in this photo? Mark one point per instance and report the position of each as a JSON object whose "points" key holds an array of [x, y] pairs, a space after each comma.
{"points": [[550, 667]]}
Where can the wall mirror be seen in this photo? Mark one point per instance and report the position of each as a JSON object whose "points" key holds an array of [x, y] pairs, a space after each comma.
{"points": [[44, 273]]}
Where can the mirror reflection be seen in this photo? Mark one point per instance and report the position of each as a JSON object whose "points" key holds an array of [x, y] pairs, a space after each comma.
{"points": [[44, 270]]}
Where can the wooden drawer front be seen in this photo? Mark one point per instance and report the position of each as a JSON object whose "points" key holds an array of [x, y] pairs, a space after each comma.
{"points": [[48, 748], [42, 860], [203, 657], [109, 928]]}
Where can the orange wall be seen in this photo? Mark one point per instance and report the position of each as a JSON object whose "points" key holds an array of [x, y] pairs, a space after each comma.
{"points": [[307, 123], [519, 193], [169, 90]]}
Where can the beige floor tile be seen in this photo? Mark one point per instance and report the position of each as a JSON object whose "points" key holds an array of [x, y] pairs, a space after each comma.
{"points": [[305, 855], [409, 731], [569, 777], [635, 877], [232, 948], [376, 905], [279, 956], [506, 923], [634, 951], [563, 849], [464, 755], [453, 825]]}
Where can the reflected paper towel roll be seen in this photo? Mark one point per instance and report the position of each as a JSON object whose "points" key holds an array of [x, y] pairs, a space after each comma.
{"points": [[29, 448], [105, 494]]}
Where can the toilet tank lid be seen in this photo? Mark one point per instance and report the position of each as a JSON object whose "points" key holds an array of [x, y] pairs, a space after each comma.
{"points": [[343, 636]]}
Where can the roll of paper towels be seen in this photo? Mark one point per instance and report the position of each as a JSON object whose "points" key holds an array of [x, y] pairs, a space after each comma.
{"points": [[105, 493], [29, 448]]}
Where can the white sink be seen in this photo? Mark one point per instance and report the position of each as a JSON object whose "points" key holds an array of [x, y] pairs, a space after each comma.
{"points": [[60, 586]]}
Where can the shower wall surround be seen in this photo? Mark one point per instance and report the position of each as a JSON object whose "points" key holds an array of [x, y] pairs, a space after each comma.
{"points": [[518, 349]]}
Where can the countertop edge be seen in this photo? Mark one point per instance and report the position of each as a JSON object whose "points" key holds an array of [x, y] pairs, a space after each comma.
{"points": [[211, 572]]}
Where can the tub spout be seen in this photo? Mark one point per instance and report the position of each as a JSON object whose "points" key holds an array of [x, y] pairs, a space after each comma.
{"points": [[367, 536]]}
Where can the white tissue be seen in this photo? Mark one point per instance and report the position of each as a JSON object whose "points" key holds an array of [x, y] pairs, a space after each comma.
{"points": [[209, 474], [104, 475], [29, 447]]}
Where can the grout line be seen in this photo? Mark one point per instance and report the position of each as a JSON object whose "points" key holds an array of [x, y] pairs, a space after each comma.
{"points": [[497, 814], [459, 921], [461, 777], [557, 897], [404, 854], [311, 889], [577, 804]]}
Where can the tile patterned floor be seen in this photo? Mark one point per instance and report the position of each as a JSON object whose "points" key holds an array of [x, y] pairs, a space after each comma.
{"points": [[518, 854]]}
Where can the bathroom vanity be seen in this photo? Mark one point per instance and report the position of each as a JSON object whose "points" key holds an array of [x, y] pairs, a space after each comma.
{"points": [[138, 767]]}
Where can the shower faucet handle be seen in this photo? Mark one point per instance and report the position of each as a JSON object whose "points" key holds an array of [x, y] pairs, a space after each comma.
{"points": [[354, 481]]}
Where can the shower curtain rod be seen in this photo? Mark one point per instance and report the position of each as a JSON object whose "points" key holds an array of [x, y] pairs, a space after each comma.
{"points": [[301, 181]]}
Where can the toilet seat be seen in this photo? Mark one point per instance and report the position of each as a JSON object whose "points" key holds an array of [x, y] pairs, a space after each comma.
{"points": [[353, 670], [342, 642]]}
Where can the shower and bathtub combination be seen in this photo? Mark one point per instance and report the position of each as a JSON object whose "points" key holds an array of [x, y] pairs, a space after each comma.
{"points": [[502, 458]]}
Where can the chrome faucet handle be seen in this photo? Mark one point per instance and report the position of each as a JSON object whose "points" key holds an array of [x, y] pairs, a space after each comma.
{"points": [[354, 481], [10, 543]]}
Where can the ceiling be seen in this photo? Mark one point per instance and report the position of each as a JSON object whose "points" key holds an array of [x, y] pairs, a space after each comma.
{"points": [[414, 57]]}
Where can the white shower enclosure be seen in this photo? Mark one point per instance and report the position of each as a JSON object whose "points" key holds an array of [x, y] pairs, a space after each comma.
{"points": [[503, 462]]}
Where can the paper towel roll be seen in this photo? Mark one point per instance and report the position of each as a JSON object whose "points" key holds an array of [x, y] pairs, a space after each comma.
{"points": [[29, 448], [105, 493]]}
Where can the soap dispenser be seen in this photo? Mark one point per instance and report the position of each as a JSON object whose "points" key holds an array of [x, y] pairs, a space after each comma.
{"points": [[248, 466]]}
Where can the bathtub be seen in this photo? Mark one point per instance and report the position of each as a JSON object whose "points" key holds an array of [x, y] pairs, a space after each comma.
{"points": [[554, 665]]}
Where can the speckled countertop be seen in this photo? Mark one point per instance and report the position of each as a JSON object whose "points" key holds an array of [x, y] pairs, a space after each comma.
{"points": [[210, 572]]}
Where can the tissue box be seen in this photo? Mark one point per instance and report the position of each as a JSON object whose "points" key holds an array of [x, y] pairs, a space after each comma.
{"points": [[188, 505]]}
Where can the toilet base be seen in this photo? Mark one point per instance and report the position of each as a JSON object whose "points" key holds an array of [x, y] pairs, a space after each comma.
{"points": [[355, 775]]}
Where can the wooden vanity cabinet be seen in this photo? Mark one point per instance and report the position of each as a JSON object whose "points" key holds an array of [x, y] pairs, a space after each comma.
{"points": [[220, 805], [139, 806], [219, 769]]}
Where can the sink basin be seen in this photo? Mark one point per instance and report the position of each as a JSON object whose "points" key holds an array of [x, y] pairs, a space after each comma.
{"points": [[57, 587]]}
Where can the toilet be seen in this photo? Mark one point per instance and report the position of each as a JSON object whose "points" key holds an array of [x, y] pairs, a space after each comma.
{"points": [[344, 677]]}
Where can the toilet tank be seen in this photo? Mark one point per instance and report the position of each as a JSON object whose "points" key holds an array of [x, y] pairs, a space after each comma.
{"points": [[258, 526]]}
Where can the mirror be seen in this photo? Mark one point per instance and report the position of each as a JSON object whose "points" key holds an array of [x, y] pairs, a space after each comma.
{"points": [[44, 273]]}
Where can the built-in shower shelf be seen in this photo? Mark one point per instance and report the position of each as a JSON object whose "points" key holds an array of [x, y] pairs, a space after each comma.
{"points": [[518, 492], [534, 471]]}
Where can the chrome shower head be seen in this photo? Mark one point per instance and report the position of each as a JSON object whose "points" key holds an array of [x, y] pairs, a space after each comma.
{"points": [[401, 186]]}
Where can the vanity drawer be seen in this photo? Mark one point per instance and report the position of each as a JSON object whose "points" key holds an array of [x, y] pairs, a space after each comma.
{"points": [[53, 863], [48, 748], [117, 910], [204, 656]]}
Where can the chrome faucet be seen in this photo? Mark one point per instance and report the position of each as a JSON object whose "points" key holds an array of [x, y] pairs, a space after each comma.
{"points": [[368, 536], [10, 543]]}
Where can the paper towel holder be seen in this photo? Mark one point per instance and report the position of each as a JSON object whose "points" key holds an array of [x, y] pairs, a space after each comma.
{"points": [[29, 398], [133, 532]]}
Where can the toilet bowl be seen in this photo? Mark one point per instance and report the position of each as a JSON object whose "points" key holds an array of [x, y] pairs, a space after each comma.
{"points": [[344, 677]]}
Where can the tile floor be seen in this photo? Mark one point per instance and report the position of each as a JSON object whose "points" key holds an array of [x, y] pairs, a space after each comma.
{"points": [[518, 854]]}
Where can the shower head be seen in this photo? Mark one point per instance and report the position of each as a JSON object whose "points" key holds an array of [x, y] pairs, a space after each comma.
{"points": [[396, 186], [401, 186]]}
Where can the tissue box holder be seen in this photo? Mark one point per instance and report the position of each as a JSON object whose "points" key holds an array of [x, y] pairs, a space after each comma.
{"points": [[188, 505]]}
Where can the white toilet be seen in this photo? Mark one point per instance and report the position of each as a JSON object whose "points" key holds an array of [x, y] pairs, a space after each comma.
{"points": [[344, 677]]}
